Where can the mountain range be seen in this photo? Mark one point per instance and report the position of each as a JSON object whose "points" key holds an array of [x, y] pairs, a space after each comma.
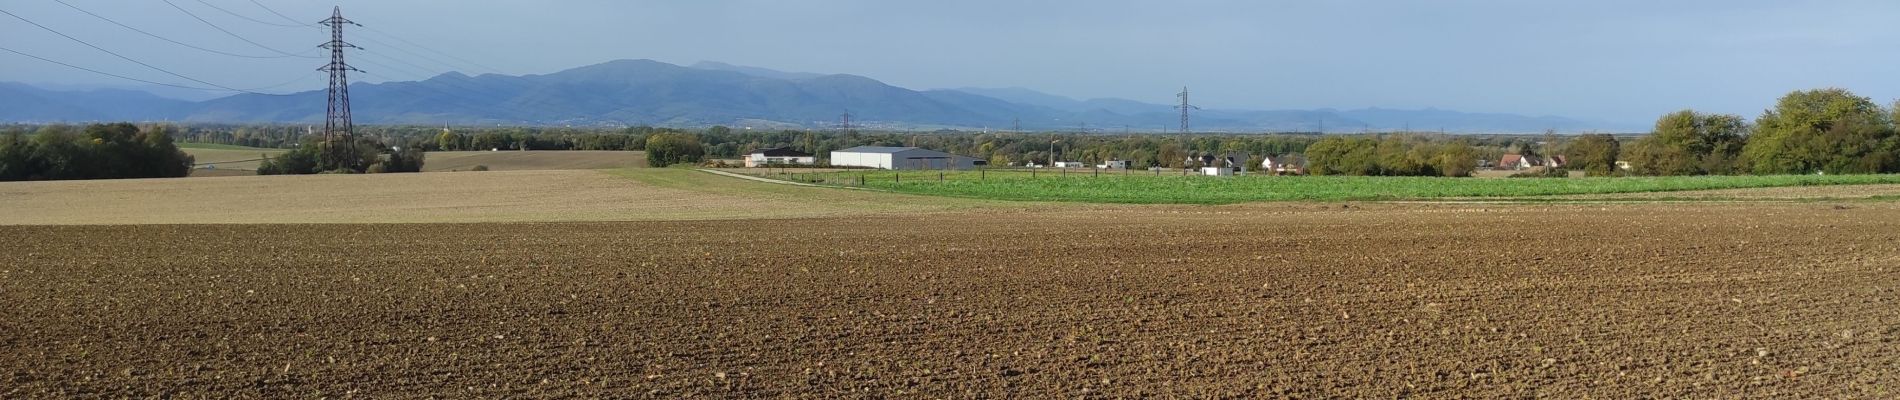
{"points": [[646, 92]]}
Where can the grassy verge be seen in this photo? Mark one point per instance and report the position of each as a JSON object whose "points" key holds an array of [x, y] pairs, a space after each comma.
{"points": [[1144, 188]]}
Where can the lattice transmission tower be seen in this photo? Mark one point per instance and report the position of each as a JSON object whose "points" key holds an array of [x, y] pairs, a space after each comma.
{"points": [[339, 132], [1184, 108]]}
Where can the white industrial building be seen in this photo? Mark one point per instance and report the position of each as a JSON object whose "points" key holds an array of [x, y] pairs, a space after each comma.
{"points": [[778, 156], [901, 158]]}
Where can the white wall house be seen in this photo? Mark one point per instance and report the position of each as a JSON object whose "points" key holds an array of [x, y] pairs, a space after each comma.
{"points": [[901, 158], [778, 156]]}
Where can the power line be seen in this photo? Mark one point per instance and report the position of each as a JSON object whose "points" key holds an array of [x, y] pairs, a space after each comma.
{"points": [[432, 50], [227, 32], [234, 14], [279, 15], [121, 25], [95, 47], [103, 72]]}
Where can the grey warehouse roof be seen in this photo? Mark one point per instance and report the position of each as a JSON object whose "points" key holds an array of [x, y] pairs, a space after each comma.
{"points": [[876, 149]]}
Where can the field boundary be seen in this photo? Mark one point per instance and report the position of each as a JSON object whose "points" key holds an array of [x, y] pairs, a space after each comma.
{"points": [[792, 183]]}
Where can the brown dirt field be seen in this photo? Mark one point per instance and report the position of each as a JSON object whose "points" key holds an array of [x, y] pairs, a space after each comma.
{"points": [[1279, 300], [642, 194], [1777, 193], [532, 160]]}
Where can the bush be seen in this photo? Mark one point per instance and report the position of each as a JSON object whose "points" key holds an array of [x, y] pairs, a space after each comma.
{"points": [[479, 168]]}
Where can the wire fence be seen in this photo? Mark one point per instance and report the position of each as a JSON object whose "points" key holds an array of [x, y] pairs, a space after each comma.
{"points": [[879, 177]]}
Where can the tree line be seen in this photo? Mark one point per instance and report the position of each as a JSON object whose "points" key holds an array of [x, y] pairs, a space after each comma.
{"points": [[98, 151], [1828, 131]]}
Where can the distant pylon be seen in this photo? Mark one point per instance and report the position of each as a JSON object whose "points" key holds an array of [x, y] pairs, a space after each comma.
{"points": [[846, 126], [1016, 125], [1184, 108], [339, 132]]}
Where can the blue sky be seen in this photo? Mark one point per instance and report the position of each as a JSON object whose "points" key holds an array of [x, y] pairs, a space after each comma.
{"points": [[1620, 61]]}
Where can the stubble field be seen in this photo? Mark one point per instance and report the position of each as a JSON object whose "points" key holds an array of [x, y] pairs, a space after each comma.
{"points": [[1294, 299]]}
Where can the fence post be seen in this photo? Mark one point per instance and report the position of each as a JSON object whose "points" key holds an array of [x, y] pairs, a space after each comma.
{"points": [[939, 176], [897, 177], [1098, 173], [982, 174]]}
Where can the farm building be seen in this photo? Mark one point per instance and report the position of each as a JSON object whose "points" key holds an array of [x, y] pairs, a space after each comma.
{"points": [[1114, 164], [901, 158], [1520, 162], [778, 156]]}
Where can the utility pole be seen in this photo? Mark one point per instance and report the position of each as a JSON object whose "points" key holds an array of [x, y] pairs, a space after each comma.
{"points": [[339, 132], [1184, 109]]}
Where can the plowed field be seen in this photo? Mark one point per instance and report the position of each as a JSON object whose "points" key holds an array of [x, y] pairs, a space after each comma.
{"points": [[1565, 301]]}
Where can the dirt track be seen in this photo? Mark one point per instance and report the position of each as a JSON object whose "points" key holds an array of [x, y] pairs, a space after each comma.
{"points": [[1700, 301]]}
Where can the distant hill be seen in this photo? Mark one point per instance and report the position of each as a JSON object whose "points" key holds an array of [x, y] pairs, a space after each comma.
{"points": [[754, 71], [646, 92], [24, 103]]}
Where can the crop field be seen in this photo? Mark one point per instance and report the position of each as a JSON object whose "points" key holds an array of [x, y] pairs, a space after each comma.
{"points": [[1147, 187], [1307, 300], [532, 160], [226, 160]]}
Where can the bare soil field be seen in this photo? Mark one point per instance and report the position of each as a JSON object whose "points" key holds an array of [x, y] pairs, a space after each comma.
{"points": [[641, 194], [532, 160], [1836, 192], [1274, 300]]}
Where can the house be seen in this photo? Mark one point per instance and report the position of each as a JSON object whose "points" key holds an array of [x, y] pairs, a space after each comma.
{"points": [[1518, 162], [1113, 164], [778, 156], [1224, 165], [901, 158], [1282, 165]]}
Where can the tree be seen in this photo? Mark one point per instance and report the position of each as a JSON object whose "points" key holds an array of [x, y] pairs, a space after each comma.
{"points": [[1688, 143], [449, 141], [1824, 130], [673, 148], [1342, 156], [1455, 159], [1595, 154], [404, 159]]}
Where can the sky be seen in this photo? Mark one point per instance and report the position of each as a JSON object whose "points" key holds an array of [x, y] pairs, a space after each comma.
{"points": [[1606, 60]]}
